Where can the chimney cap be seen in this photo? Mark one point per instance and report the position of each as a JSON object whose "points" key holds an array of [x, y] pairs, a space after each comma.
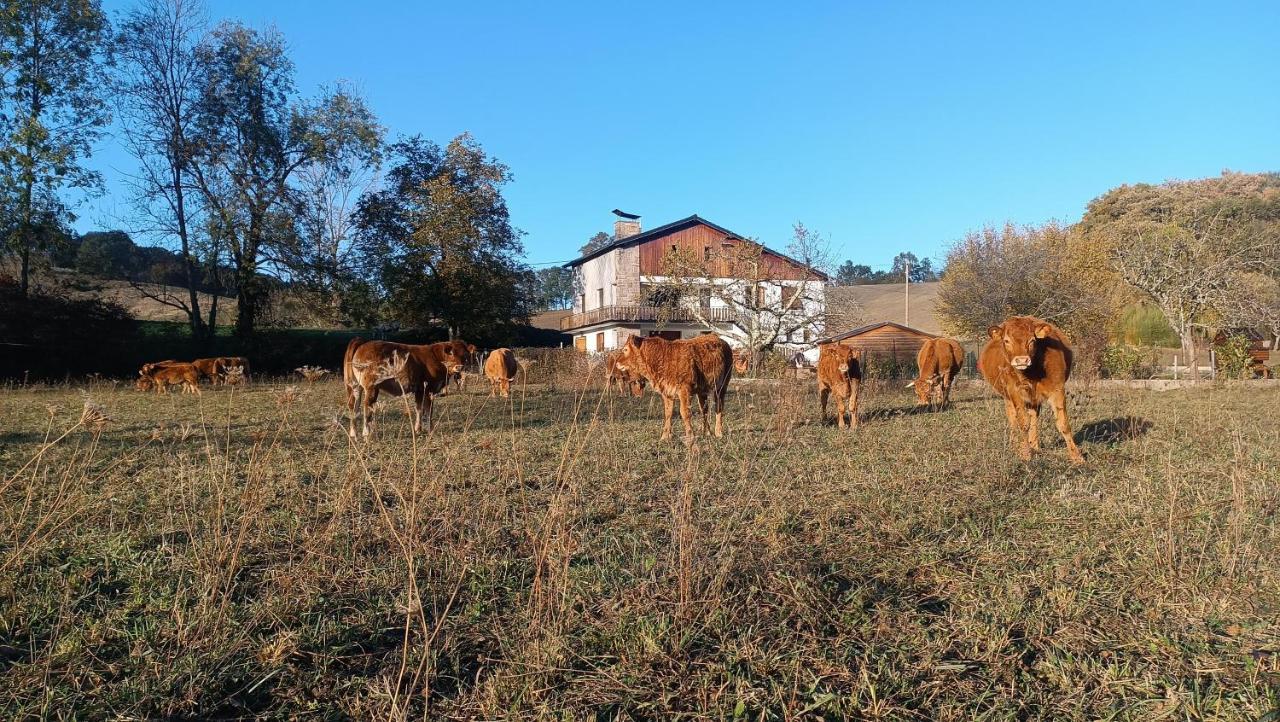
{"points": [[624, 214]]}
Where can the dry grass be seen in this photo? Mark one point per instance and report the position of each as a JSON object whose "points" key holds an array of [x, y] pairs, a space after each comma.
{"points": [[236, 555]]}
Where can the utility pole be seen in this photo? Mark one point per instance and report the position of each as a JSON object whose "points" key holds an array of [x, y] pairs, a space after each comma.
{"points": [[906, 292]]}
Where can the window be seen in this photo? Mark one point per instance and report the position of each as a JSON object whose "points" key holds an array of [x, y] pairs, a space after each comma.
{"points": [[760, 296], [582, 301], [674, 248], [704, 297], [706, 253], [788, 296], [599, 298], [807, 336]]}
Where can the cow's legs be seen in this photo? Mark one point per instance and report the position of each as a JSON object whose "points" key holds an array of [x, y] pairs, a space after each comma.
{"points": [[1058, 401], [823, 393], [706, 422], [1017, 428], [1033, 426], [684, 414], [720, 413], [368, 398], [668, 406], [355, 394], [854, 388]]}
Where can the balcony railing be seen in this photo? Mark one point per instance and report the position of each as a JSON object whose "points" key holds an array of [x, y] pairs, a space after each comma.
{"points": [[607, 314]]}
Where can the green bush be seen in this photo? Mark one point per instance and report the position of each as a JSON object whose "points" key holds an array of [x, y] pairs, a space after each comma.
{"points": [[1128, 362], [1232, 357]]}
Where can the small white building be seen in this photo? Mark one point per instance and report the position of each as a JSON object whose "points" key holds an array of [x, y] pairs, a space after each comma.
{"points": [[617, 283]]}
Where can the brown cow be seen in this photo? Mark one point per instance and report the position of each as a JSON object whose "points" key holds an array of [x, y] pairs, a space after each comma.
{"points": [[1028, 361], [623, 375], [698, 367], [209, 368], [939, 360], [840, 373], [500, 368], [459, 379], [222, 363], [370, 367], [162, 376]]}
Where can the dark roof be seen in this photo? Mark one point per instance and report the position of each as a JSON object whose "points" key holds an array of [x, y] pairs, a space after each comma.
{"points": [[871, 327], [624, 214], [692, 220]]}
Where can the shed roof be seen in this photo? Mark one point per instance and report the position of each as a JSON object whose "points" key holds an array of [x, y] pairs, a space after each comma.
{"points": [[871, 327]]}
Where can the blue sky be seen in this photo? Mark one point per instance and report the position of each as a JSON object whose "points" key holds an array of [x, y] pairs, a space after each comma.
{"points": [[887, 126]]}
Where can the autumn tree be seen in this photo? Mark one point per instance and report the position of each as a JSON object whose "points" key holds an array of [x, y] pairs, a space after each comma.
{"points": [[595, 243], [253, 137], [438, 239], [750, 294], [1186, 245], [51, 112], [156, 89], [1047, 271]]}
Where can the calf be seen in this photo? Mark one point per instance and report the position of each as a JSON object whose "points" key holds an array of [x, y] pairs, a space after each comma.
{"points": [[161, 377], [223, 363], [840, 373], [500, 368], [698, 367], [939, 360], [618, 372], [1028, 361], [370, 367]]}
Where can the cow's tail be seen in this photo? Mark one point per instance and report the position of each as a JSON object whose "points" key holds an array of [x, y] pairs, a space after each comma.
{"points": [[348, 371]]}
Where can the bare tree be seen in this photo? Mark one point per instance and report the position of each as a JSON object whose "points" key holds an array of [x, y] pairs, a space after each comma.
{"points": [[750, 294], [156, 88], [1187, 267], [1255, 303]]}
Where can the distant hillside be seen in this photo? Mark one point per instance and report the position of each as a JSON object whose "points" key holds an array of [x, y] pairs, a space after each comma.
{"points": [[141, 300], [884, 302]]}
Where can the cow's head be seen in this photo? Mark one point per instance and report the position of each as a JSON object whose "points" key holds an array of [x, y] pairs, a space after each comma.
{"points": [[1018, 337], [630, 351], [454, 357], [144, 382], [924, 388]]}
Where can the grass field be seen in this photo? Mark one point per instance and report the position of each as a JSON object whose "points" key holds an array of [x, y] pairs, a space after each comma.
{"points": [[235, 555]]}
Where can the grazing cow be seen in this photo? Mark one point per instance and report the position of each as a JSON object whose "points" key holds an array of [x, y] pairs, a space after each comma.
{"points": [[939, 360], [618, 372], [225, 362], [840, 373], [162, 376], [1028, 361], [209, 368], [698, 367], [147, 368], [500, 368], [370, 367]]}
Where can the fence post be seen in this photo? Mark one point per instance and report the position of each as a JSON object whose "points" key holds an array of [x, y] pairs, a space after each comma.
{"points": [[1175, 367]]}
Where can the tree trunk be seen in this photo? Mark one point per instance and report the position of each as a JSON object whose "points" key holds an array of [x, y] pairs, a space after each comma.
{"points": [[198, 331], [1189, 349]]}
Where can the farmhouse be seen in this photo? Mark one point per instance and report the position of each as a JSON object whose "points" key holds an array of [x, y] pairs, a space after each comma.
{"points": [[621, 287]]}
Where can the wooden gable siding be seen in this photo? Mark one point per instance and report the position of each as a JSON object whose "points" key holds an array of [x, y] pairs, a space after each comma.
{"points": [[888, 341], [694, 240]]}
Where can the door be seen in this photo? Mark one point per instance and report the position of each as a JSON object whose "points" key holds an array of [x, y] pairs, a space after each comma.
{"points": [[580, 344], [600, 341]]}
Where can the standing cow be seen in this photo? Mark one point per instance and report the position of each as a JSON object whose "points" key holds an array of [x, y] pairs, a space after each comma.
{"points": [[370, 367], [500, 368], [840, 373], [1028, 361], [939, 361], [677, 370]]}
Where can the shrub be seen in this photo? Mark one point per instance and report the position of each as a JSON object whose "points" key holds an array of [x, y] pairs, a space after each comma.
{"points": [[1128, 362], [49, 336], [1232, 357]]}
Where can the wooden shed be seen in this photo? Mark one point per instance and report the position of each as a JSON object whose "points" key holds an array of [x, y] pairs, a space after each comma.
{"points": [[885, 342], [1259, 349]]}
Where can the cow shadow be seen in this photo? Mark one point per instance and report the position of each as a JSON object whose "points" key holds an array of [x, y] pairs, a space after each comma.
{"points": [[1113, 431]]}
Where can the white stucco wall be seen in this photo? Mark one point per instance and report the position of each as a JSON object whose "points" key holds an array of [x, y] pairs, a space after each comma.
{"points": [[599, 272]]}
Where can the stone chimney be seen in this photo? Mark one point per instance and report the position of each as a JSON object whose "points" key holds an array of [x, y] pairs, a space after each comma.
{"points": [[627, 225]]}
